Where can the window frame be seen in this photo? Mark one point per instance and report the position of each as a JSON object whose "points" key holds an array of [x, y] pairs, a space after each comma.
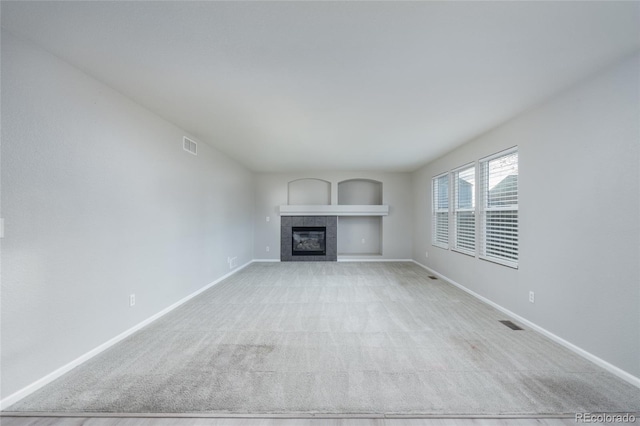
{"points": [[435, 210], [455, 209], [483, 208]]}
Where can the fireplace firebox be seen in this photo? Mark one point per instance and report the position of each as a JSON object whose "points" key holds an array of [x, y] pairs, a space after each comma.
{"points": [[308, 241]]}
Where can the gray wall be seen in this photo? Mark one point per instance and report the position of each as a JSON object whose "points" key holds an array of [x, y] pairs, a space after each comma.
{"points": [[100, 201], [271, 192], [579, 180]]}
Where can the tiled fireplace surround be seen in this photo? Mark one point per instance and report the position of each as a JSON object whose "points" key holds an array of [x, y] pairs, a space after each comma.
{"points": [[288, 222]]}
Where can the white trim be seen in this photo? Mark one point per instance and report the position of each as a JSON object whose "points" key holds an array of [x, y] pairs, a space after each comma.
{"points": [[334, 210], [370, 259], [439, 175], [464, 167], [347, 258], [27, 390], [455, 210], [499, 154], [465, 252], [436, 210], [628, 377], [484, 211], [499, 261]]}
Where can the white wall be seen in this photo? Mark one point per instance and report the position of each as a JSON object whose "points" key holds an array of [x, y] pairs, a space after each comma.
{"points": [[100, 201], [271, 192], [579, 161]]}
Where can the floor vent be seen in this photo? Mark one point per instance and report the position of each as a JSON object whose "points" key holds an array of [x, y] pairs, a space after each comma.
{"points": [[432, 277], [511, 325]]}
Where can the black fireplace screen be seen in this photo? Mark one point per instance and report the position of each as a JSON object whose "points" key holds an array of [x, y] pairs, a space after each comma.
{"points": [[308, 241]]}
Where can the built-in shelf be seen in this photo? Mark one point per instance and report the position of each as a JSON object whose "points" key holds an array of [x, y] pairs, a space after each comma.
{"points": [[359, 192], [334, 210], [359, 211]]}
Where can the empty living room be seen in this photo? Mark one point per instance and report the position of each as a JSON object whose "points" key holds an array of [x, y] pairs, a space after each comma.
{"points": [[312, 213]]}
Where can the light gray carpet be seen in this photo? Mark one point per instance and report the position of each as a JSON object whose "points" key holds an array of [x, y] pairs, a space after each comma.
{"points": [[335, 338]]}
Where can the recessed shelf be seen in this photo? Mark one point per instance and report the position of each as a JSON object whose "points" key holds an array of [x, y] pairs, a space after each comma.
{"points": [[309, 191], [359, 192]]}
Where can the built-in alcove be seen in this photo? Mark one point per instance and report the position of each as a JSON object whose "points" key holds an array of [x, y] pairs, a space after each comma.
{"points": [[360, 235], [360, 192], [309, 191], [357, 219]]}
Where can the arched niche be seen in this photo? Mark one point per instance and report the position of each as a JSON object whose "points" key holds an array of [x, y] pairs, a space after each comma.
{"points": [[360, 192], [309, 191]]}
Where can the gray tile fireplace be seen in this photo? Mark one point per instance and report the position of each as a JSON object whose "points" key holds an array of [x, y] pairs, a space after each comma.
{"points": [[309, 238]]}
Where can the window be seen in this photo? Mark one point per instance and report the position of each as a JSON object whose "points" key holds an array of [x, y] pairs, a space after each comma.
{"points": [[440, 217], [464, 209], [499, 208], [487, 228]]}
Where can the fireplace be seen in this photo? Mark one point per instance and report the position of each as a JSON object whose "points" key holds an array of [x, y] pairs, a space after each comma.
{"points": [[308, 241], [308, 238]]}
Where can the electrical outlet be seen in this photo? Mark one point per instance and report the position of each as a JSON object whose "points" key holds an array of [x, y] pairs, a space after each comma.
{"points": [[268, 219], [363, 241], [132, 300], [531, 297], [426, 254], [268, 249], [232, 262]]}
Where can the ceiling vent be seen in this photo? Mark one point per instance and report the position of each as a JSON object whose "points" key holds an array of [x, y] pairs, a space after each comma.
{"points": [[190, 146]]}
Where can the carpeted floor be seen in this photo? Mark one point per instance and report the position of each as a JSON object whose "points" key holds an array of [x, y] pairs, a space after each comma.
{"points": [[335, 338]]}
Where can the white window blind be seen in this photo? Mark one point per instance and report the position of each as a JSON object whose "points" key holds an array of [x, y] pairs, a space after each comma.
{"points": [[440, 217], [464, 209], [499, 208]]}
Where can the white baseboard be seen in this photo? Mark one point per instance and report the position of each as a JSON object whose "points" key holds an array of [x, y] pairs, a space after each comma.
{"points": [[348, 259], [628, 377], [22, 393], [371, 259]]}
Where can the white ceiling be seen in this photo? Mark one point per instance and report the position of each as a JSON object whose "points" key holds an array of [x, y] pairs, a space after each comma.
{"points": [[287, 86]]}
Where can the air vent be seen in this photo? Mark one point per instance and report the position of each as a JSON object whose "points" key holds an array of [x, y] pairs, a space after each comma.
{"points": [[190, 146], [511, 325]]}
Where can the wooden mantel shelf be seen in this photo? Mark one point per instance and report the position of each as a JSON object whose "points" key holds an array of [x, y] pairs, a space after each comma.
{"points": [[334, 210]]}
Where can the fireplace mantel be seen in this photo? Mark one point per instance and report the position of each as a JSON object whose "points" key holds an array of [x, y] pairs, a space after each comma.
{"points": [[334, 210]]}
